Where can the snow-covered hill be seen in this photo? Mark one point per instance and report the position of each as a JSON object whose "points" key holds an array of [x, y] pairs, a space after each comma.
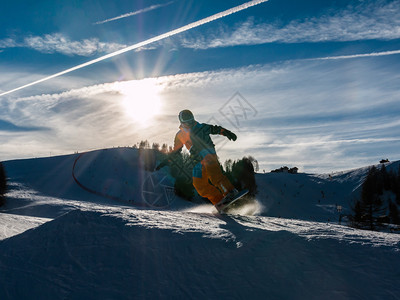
{"points": [[98, 225]]}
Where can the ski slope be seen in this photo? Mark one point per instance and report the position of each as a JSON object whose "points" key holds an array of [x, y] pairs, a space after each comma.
{"points": [[112, 237]]}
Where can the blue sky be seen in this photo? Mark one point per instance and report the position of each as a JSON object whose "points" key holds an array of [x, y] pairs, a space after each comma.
{"points": [[312, 84]]}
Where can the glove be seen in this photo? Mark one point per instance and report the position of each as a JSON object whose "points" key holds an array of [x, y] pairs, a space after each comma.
{"points": [[161, 165], [230, 135]]}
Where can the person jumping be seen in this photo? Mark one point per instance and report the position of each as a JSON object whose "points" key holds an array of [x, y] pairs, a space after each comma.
{"points": [[196, 138]]}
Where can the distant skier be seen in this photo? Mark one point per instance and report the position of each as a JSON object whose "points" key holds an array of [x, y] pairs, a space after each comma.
{"points": [[195, 137]]}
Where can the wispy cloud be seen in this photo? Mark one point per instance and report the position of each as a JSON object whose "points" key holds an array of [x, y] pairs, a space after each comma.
{"points": [[57, 42], [133, 13], [7, 43], [60, 43], [338, 142], [368, 20], [7, 126]]}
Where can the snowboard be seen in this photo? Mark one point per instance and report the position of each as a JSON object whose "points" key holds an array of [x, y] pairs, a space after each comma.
{"points": [[224, 206]]}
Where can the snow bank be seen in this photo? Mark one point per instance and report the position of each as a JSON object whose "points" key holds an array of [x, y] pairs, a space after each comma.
{"points": [[86, 254]]}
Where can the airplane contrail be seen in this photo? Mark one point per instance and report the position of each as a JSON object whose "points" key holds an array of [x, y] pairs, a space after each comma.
{"points": [[134, 13], [146, 42], [373, 54]]}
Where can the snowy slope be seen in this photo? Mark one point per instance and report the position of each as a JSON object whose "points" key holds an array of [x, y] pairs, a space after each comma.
{"points": [[12, 224], [111, 238]]}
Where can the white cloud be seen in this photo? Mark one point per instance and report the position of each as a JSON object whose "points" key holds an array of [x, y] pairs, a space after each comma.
{"points": [[369, 20], [325, 142], [51, 43], [60, 43], [7, 43]]}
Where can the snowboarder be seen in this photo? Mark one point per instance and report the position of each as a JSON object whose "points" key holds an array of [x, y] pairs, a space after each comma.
{"points": [[195, 137]]}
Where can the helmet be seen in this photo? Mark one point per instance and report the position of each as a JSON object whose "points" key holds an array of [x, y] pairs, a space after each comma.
{"points": [[186, 117]]}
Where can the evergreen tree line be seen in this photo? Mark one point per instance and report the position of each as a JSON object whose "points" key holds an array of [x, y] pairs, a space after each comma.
{"points": [[380, 200], [3, 184], [239, 172], [164, 148]]}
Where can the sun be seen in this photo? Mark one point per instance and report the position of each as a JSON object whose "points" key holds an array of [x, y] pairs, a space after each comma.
{"points": [[141, 100]]}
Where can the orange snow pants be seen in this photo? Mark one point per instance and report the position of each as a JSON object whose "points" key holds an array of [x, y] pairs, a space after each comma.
{"points": [[210, 169]]}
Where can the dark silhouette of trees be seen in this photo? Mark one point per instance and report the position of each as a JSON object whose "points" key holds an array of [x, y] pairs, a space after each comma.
{"points": [[156, 146], [394, 213], [181, 169], [144, 144], [228, 165], [371, 202], [3, 184], [286, 169], [242, 174], [180, 166], [375, 207], [164, 148]]}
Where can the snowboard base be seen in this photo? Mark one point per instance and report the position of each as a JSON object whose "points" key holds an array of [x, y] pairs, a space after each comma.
{"points": [[224, 206]]}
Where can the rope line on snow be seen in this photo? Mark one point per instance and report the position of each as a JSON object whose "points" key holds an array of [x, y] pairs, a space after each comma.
{"points": [[97, 193]]}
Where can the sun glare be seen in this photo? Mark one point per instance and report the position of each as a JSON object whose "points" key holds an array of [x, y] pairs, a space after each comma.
{"points": [[141, 100]]}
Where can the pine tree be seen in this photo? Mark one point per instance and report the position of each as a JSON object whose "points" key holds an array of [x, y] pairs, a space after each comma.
{"points": [[155, 146], [144, 144], [254, 162], [385, 178], [397, 187], [394, 213], [357, 218], [164, 148], [3, 184], [242, 176], [181, 169], [370, 206], [228, 166]]}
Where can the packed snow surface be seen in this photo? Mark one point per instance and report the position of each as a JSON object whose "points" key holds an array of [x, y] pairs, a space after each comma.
{"points": [[118, 232]]}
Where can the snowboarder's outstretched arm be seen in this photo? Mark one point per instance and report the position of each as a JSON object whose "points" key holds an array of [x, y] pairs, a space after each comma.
{"points": [[170, 158], [178, 145], [215, 129]]}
